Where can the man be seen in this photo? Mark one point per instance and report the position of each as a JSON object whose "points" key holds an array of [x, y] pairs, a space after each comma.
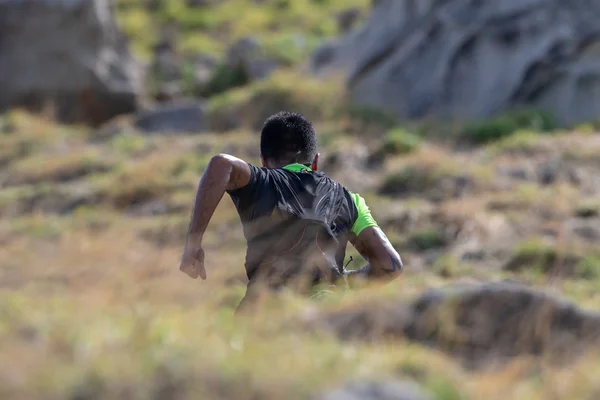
{"points": [[296, 220]]}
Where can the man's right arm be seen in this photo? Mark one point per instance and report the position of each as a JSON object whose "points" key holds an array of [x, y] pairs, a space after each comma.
{"points": [[223, 172], [384, 261], [373, 245]]}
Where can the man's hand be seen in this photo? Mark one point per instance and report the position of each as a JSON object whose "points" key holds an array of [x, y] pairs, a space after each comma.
{"points": [[223, 172], [192, 262]]}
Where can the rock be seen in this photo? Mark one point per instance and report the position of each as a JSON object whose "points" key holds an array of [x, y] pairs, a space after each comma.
{"points": [[176, 117], [66, 56], [166, 66], [167, 69], [168, 92], [347, 19], [587, 229], [246, 62], [392, 390], [516, 172], [479, 324], [548, 172], [472, 59], [204, 67]]}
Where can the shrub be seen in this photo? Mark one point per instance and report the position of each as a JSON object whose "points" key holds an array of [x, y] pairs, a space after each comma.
{"points": [[57, 168], [537, 256], [249, 106], [588, 209], [589, 267], [438, 180], [532, 254], [366, 115], [428, 238], [224, 78], [507, 124], [399, 141]]}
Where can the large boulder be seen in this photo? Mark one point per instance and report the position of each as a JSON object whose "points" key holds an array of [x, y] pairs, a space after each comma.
{"points": [[473, 59], [247, 61], [479, 324], [184, 116], [66, 56]]}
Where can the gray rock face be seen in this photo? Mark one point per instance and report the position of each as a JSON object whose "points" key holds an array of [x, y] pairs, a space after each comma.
{"points": [[377, 391], [472, 59], [247, 54], [66, 55], [179, 116]]}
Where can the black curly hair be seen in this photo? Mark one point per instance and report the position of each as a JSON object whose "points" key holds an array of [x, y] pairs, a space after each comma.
{"points": [[288, 137]]}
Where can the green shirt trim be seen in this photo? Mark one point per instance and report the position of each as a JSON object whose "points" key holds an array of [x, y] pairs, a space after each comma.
{"points": [[296, 168], [364, 219]]}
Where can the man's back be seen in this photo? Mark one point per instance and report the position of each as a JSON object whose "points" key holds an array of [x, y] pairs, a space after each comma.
{"points": [[296, 222]]}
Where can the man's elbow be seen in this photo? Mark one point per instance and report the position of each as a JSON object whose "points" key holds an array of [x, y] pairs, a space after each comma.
{"points": [[220, 160], [220, 164], [394, 268]]}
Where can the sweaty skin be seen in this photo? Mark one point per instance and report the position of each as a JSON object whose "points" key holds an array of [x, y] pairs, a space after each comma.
{"points": [[225, 172], [384, 261]]}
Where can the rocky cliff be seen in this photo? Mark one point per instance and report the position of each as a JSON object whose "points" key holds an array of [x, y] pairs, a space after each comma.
{"points": [[472, 59]]}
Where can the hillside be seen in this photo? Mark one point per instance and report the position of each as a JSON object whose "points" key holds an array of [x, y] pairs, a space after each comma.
{"points": [[497, 221]]}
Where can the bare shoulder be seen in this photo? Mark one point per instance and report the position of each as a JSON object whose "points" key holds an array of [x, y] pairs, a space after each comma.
{"points": [[238, 169]]}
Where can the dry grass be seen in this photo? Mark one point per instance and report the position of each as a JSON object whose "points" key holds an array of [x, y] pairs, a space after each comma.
{"points": [[92, 304]]}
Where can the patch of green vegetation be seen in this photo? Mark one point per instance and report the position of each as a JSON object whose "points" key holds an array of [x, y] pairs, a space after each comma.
{"points": [[418, 179], [536, 256], [507, 124], [443, 389], [225, 78], [57, 167], [7, 123], [129, 144], [290, 48], [522, 141], [589, 267], [448, 266], [365, 116], [37, 226], [399, 141], [533, 254], [588, 209], [215, 25], [427, 238], [248, 107]]}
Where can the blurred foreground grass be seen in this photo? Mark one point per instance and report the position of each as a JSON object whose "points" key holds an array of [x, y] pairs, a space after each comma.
{"points": [[92, 305], [105, 316]]}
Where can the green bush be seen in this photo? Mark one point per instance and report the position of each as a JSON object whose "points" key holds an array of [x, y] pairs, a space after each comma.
{"points": [[536, 256], [399, 141], [224, 78], [419, 179], [366, 115], [428, 238], [588, 209], [7, 124], [589, 267], [506, 124]]}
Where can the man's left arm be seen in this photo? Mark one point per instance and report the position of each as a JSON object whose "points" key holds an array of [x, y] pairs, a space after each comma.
{"points": [[223, 172]]}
